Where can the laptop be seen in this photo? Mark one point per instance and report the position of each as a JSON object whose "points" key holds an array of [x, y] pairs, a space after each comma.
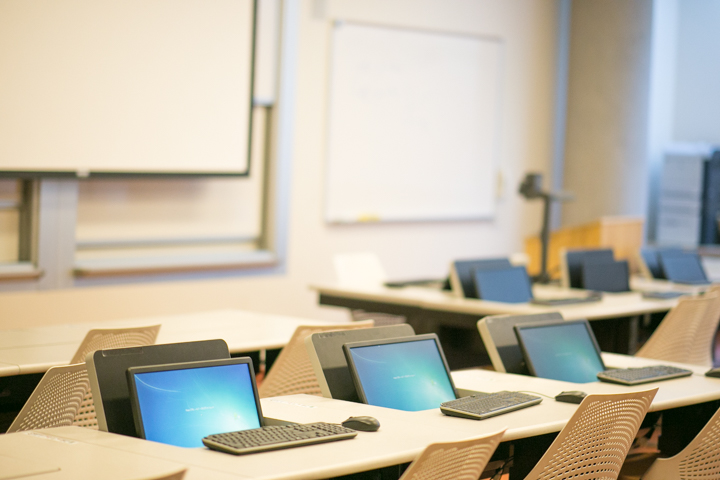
{"points": [[574, 261], [684, 267], [567, 350], [609, 276], [411, 374], [325, 350], [182, 404], [512, 285], [462, 272], [107, 371]]}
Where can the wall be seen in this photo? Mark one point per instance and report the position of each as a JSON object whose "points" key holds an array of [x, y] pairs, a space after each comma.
{"points": [[607, 116], [407, 250], [697, 98]]}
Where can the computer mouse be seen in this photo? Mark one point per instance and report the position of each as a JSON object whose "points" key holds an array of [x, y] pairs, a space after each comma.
{"points": [[362, 424], [713, 372], [572, 396]]}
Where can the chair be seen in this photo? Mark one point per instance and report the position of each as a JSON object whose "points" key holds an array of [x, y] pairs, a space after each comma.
{"points": [[292, 371], [596, 439], [176, 475], [700, 459], [380, 319], [687, 332], [102, 338], [464, 460], [56, 400]]}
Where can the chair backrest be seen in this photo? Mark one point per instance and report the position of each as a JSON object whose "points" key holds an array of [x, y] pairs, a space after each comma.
{"points": [[103, 338], [381, 319], [359, 269], [687, 332], [56, 400], [700, 459], [175, 475], [292, 372], [464, 460], [596, 439]]}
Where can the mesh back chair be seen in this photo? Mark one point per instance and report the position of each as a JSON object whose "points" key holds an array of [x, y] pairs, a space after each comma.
{"points": [[102, 338], [380, 319], [699, 460], [176, 475], [463, 460], [687, 333], [596, 439], [292, 371], [56, 400]]}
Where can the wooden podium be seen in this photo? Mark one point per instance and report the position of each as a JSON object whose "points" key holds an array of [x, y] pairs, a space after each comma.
{"points": [[623, 234]]}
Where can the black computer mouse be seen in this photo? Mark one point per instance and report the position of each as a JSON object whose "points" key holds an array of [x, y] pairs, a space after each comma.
{"points": [[713, 372], [362, 424], [573, 396]]}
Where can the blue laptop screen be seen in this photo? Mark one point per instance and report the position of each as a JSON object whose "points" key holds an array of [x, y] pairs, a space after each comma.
{"points": [[407, 376], [510, 285], [564, 351], [180, 407]]}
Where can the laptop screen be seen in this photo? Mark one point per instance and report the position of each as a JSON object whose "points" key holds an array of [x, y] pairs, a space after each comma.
{"points": [[564, 350], [463, 270], [606, 276], [181, 403], [574, 260], [509, 285], [408, 373], [683, 267]]}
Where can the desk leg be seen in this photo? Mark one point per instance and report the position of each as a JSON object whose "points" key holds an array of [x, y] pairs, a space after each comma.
{"points": [[527, 452]]}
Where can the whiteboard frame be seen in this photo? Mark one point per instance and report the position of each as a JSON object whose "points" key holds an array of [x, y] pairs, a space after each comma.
{"points": [[494, 147], [99, 173]]}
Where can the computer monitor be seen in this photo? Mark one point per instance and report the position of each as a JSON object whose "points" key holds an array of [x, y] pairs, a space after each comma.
{"points": [[408, 373], [325, 350], [498, 335], [462, 274], [683, 267], [574, 260], [560, 350], [606, 276], [108, 380], [651, 258], [180, 404], [509, 285]]}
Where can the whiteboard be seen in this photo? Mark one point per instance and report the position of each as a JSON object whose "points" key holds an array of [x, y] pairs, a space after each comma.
{"points": [[128, 86], [413, 126]]}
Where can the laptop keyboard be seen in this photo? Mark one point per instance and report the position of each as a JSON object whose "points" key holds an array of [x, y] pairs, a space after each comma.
{"points": [[487, 405], [275, 437], [637, 376]]}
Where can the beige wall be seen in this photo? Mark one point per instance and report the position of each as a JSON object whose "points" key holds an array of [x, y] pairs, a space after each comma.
{"points": [[406, 250], [606, 147]]}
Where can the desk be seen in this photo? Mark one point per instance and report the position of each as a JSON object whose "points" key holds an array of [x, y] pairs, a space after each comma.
{"points": [[401, 437], [431, 310], [34, 350]]}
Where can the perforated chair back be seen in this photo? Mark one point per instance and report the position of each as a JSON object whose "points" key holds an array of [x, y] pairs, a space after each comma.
{"points": [[687, 333], [596, 439], [103, 338], [292, 372], [56, 400], [699, 460], [464, 460]]}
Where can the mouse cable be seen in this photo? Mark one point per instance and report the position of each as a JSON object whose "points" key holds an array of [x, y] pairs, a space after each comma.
{"points": [[535, 393]]}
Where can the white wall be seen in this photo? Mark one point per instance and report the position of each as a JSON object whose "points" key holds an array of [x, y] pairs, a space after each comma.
{"points": [[407, 250], [697, 96]]}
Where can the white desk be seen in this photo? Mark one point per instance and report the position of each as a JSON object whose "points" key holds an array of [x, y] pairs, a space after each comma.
{"points": [[401, 437], [615, 318], [34, 350]]}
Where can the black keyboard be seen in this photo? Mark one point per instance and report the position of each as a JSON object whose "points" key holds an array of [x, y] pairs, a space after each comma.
{"points": [[637, 376], [485, 405], [276, 437]]}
